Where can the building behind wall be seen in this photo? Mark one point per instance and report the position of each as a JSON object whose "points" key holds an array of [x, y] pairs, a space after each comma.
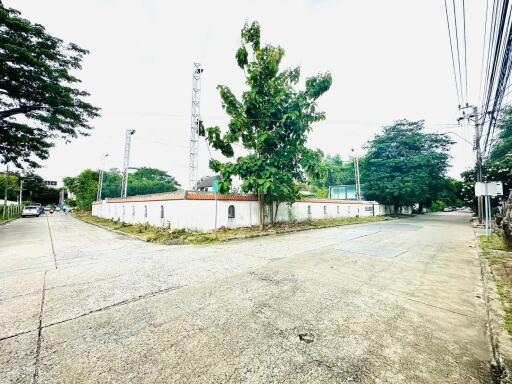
{"points": [[196, 210]]}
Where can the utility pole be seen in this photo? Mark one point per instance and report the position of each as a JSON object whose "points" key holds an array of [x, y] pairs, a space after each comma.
{"points": [[5, 190], [194, 125], [357, 176], [100, 181], [478, 152], [21, 192], [126, 162]]}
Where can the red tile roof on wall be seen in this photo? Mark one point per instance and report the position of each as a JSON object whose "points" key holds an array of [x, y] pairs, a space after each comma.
{"points": [[153, 197], [192, 195], [332, 201], [211, 196]]}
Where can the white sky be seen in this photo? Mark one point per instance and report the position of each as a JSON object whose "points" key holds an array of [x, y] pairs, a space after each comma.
{"points": [[389, 60]]}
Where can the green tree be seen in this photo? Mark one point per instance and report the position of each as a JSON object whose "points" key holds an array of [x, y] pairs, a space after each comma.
{"points": [[111, 183], [333, 171], [36, 190], [150, 180], [503, 146], [85, 187], [405, 166], [39, 99], [467, 192], [13, 186], [272, 121], [498, 166], [450, 195], [142, 182]]}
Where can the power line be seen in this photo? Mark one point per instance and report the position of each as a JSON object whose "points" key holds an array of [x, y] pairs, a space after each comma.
{"points": [[458, 51], [452, 55], [483, 50], [465, 48]]}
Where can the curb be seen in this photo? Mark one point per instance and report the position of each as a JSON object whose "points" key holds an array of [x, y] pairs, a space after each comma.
{"points": [[134, 237], [253, 236], [8, 221], [250, 236], [499, 339]]}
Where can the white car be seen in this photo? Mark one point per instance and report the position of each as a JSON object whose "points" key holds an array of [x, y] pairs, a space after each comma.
{"points": [[31, 210]]}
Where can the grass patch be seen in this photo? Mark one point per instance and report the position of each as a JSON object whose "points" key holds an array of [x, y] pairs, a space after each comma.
{"points": [[181, 236], [499, 256]]}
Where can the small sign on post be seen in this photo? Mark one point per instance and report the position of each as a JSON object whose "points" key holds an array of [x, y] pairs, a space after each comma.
{"points": [[215, 187], [491, 188]]}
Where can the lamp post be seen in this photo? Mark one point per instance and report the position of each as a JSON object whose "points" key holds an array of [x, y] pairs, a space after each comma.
{"points": [[100, 181]]}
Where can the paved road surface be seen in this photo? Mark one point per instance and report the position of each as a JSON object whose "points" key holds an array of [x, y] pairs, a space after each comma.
{"points": [[394, 302]]}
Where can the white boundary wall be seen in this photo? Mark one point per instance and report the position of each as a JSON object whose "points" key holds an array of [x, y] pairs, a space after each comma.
{"points": [[199, 214]]}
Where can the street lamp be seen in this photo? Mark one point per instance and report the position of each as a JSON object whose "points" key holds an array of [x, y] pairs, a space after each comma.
{"points": [[100, 181]]}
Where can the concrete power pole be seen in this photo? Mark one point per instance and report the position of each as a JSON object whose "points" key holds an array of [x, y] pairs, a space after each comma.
{"points": [[21, 192], [476, 147], [357, 176], [5, 190], [478, 150], [194, 125], [100, 181], [126, 162]]}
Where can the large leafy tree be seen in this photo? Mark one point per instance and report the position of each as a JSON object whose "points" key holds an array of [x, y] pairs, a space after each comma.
{"points": [[39, 97], [142, 182], [84, 187], [332, 170], [271, 120], [150, 180], [34, 188], [405, 165], [498, 166]]}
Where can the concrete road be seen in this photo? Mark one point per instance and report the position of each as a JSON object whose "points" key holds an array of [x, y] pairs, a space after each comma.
{"points": [[394, 302]]}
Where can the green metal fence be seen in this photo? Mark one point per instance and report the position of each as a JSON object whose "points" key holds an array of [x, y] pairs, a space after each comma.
{"points": [[9, 212]]}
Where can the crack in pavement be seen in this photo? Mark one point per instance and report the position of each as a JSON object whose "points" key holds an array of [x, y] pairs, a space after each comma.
{"points": [[39, 332], [51, 241], [101, 309]]}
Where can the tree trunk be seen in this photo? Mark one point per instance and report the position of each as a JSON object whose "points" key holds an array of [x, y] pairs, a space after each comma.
{"points": [[395, 209], [271, 211], [277, 208], [420, 208], [261, 204]]}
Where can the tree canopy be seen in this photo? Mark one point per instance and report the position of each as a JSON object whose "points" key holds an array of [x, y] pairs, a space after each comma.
{"points": [[143, 181], [405, 165], [34, 188], [39, 97], [271, 121], [84, 187], [498, 166], [330, 171]]}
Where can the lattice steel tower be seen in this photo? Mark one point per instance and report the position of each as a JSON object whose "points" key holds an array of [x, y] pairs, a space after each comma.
{"points": [[126, 161], [194, 125], [357, 176]]}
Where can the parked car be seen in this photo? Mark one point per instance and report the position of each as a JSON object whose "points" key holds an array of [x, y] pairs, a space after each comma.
{"points": [[31, 210], [39, 207], [449, 209]]}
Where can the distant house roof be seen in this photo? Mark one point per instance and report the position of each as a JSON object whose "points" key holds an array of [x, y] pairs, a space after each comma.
{"points": [[207, 181]]}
